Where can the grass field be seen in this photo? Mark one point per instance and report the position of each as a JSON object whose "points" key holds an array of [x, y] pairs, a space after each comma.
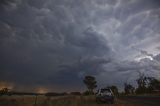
{"points": [[59, 101]]}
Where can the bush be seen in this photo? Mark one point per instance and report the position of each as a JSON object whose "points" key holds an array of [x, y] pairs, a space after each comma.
{"points": [[88, 93]]}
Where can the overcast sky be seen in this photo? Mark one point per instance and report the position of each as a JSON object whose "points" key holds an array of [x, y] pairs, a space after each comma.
{"points": [[53, 44]]}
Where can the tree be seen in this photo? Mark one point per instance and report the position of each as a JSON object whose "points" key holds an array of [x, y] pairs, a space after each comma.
{"points": [[142, 83], [90, 82], [4, 91], [153, 84], [128, 88], [147, 84]]}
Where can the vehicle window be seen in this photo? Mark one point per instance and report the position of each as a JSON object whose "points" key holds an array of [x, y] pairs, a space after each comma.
{"points": [[105, 90]]}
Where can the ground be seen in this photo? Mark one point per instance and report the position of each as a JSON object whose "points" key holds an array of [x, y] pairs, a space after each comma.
{"points": [[71, 101]]}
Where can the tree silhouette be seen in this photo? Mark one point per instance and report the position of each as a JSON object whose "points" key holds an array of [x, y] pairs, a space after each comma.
{"points": [[4, 91], [147, 84], [90, 82], [152, 84], [142, 83], [128, 88]]}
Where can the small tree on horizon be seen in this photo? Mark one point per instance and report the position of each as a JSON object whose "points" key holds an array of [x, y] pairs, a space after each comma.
{"points": [[142, 82], [154, 84], [128, 88], [90, 82]]}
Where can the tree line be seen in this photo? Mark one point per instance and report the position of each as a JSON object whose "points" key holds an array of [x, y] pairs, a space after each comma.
{"points": [[146, 85]]}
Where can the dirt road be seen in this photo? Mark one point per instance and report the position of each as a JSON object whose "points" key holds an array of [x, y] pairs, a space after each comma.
{"points": [[146, 100]]}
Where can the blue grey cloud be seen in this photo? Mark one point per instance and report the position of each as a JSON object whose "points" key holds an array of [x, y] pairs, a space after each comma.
{"points": [[58, 42]]}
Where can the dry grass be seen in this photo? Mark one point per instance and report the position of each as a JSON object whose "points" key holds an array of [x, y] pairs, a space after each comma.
{"points": [[58, 101]]}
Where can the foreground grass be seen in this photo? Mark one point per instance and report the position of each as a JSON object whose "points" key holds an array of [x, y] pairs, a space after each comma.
{"points": [[58, 101]]}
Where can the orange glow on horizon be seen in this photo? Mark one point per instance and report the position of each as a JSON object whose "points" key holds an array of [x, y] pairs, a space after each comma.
{"points": [[8, 85], [42, 90]]}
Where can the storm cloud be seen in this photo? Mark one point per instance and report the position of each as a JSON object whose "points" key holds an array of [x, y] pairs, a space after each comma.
{"points": [[56, 43]]}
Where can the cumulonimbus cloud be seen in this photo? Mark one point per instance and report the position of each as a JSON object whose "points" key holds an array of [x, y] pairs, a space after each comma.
{"points": [[44, 42]]}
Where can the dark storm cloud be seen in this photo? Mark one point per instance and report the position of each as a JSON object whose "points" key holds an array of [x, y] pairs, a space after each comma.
{"points": [[36, 40], [44, 42]]}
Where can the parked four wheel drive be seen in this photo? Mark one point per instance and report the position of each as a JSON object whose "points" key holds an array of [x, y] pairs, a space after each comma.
{"points": [[105, 95]]}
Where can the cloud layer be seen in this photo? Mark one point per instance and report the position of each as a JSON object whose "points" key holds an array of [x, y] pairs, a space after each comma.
{"points": [[56, 43]]}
